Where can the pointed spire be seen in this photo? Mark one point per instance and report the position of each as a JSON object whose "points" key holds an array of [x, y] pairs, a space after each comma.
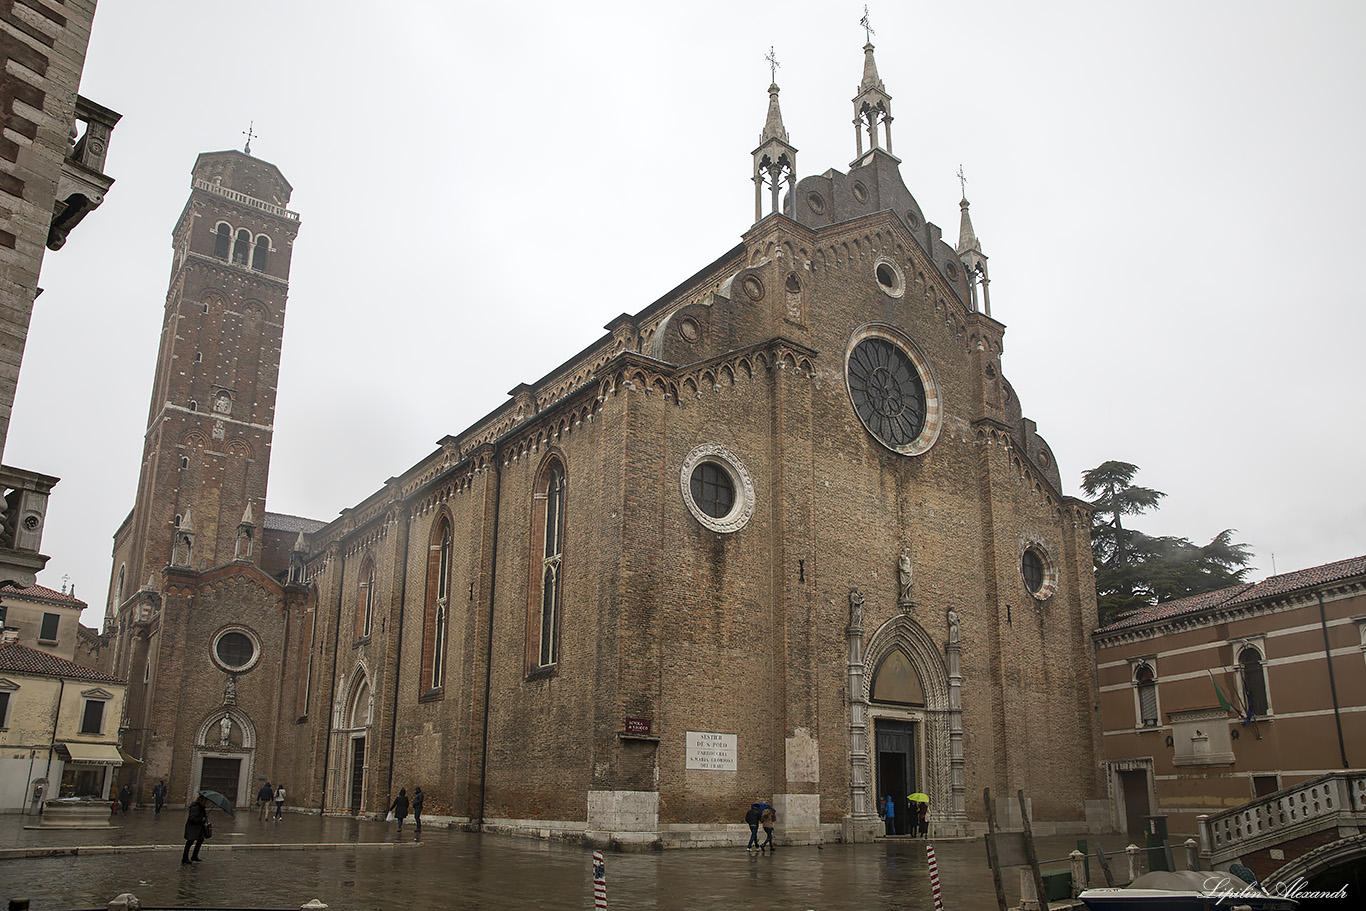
{"points": [[970, 254], [872, 107], [299, 545], [967, 239], [186, 522], [775, 160], [246, 516], [151, 585], [773, 124], [871, 80]]}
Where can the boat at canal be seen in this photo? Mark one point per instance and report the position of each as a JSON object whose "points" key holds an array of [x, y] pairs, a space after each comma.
{"points": [[1185, 890]]}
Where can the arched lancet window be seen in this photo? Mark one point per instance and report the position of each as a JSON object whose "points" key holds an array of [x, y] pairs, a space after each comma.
{"points": [[896, 681], [1145, 681], [222, 240], [360, 705], [241, 246], [365, 601], [1253, 671], [437, 626], [258, 255], [548, 568]]}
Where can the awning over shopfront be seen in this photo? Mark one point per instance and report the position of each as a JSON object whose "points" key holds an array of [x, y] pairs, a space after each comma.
{"points": [[99, 753]]}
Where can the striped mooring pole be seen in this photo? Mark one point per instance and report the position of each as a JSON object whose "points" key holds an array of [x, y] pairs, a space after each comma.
{"points": [[934, 877], [599, 882]]}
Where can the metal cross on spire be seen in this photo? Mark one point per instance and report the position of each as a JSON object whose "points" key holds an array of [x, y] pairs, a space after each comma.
{"points": [[962, 181], [249, 133], [867, 26], [773, 64]]}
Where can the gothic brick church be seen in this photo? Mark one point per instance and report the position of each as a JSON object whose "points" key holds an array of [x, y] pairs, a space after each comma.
{"points": [[783, 534]]}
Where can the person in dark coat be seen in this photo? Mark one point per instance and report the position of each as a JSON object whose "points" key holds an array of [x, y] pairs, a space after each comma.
{"points": [[752, 820], [922, 819], [417, 808], [194, 829], [400, 807], [264, 797], [126, 797], [159, 795]]}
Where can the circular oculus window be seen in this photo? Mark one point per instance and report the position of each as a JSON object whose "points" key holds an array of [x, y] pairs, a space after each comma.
{"points": [[888, 276], [1038, 572], [717, 488], [893, 392], [235, 649]]}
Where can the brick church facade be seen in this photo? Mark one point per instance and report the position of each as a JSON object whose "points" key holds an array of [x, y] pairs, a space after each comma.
{"points": [[784, 534]]}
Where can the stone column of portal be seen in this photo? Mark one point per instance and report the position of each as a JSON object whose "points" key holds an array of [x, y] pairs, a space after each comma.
{"points": [[860, 809], [958, 786]]}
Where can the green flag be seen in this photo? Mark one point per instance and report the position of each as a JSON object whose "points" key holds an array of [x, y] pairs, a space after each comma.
{"points": [[1223, 700]]}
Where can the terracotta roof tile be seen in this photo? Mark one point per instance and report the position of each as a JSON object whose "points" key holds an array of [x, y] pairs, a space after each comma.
{"points": [[21, 659], [278, 521], [43, 593], [1269, 587]]}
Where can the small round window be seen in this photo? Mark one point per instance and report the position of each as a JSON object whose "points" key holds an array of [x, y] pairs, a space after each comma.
{"points": [[1037, 571], [717, 488], [235, 650], [889, 278]]}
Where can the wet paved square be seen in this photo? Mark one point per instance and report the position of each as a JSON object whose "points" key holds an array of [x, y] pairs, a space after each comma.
{"points": [[362, 864]]}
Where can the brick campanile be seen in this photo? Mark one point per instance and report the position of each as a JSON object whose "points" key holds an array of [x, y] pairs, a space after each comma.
{"points": [[206, 455]]}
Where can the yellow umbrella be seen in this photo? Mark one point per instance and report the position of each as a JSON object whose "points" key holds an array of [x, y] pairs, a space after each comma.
{"points": [[917, 797]]}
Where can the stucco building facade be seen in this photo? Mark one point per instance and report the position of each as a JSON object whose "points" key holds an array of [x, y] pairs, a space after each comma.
{"points": [[1287, 657]]}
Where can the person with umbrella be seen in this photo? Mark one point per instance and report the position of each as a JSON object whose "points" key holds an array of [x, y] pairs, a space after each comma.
{"points": [[195, 827], [920, 821]]}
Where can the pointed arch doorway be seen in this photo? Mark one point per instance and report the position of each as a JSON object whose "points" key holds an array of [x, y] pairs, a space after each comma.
{"points": [[350, 745]]}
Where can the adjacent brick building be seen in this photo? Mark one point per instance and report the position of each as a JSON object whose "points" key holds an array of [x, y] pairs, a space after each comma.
{"points": [[783, 534]]}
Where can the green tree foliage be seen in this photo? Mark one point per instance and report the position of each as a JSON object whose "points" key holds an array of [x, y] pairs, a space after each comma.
{"points": [[1134, 570]]}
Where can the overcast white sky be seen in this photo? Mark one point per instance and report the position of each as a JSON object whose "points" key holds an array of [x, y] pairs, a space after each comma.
{"points": [[1170, 195]]}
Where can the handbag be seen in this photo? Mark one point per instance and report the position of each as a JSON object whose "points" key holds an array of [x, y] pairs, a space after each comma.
{"points": [[390, 817], [208, 830]]}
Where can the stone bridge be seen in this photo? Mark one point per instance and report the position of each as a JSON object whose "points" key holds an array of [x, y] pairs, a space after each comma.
{"points": [[1315, 831]]}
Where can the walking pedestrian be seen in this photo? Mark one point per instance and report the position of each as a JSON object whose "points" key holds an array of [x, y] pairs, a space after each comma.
{"points": [[400, 807], [195, 827], [922, 819], [264, 797], [279, 802], [125, 797], [417, 810], [766, 819], [889, 815], [159, 796], [752, 820]]}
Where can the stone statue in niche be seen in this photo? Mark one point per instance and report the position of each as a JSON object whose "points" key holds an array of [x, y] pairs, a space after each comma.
{"points": [[904, 576], [224, 730], [855, 609], [953, 627], [230, 691]]}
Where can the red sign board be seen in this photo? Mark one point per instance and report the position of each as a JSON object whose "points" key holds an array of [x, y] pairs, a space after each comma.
{"points": [[638, 725]]}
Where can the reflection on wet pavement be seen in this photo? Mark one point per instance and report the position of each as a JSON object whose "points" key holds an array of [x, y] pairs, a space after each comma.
{"points": [[367, 868]]}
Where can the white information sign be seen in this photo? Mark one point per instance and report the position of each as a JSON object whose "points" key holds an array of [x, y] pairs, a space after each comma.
{"points": [[711, 752]]}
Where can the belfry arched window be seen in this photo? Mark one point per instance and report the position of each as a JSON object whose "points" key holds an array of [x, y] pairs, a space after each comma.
{"points": [[222, 241], [1253, 671], [241, 247], [548, 567], [258, 254], [437, 625]]}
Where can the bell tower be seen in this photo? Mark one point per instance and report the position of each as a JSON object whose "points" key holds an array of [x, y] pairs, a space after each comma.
{"points": [[206, 452]]}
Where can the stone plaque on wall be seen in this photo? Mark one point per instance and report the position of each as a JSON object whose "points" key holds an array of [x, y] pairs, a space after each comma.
{"points": [[711, 752]]}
